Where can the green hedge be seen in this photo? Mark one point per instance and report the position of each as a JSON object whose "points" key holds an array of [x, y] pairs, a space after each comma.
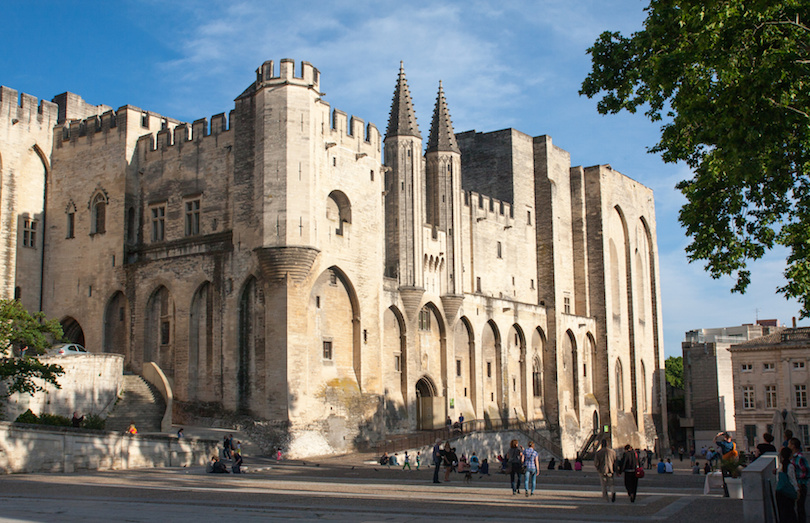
{"points": [[91, 421]]}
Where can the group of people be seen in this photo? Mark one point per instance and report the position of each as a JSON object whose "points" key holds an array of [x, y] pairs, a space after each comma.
{"points": [[445, 457], [231, 451]]}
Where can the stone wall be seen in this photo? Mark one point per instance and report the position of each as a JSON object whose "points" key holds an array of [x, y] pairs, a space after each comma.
{"points": [[32, 448], [90, 385]]}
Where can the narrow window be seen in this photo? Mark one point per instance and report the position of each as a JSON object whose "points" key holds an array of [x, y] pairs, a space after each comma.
{"points": [[477, 284], [489, 369], [332, 278], [424, 320], [567, 304], [397, 363], [327, 350], [748, 397], [158, 223], [500, 250], [164, 333], [193, 217], [801, 395], [770, 396], [458, 368], [71, 221], [99, 214], [528, 217], [29, 233]]}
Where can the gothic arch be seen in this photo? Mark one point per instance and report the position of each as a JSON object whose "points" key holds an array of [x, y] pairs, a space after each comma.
{"points": [[464, 370], [336, 325], [116, 325], [570, 352], [249, 354], [396, 353], [432, 338], [653, 296], [516, 371], [492, 371], [200, 340], [98, 211], [72, 330], [159, 330], [631, 313]]}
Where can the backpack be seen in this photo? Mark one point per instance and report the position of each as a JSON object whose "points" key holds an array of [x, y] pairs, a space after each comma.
{"points": [[785, 487]]}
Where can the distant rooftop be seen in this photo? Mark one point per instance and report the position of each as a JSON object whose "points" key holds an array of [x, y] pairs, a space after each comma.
{"points": [[736, 334]]}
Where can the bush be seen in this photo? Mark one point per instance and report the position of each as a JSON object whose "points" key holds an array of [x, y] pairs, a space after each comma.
{"points": [[27, 417], [94, 422], [53, 420]]}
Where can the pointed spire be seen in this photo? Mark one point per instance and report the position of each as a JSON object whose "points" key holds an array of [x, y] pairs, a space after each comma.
{"points": [[402, 120], [442, 138]]}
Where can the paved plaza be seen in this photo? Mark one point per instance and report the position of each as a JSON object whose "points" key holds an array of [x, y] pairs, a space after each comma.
{"points": [[348, 488]]}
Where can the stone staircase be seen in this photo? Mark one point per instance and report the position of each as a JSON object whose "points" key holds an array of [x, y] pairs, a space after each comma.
{"points": [[140, 404]]}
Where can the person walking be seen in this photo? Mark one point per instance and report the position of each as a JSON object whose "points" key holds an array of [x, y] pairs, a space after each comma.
{"points": [[629, 465], [406, 461], [531, 462], [515, 461], [802, 472], [226, 447], [605, 463], [437, 460], [418, 460]]}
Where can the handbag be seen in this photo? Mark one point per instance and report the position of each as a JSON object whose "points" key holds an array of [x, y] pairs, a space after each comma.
{"points": [[785, 487], [639, 468]]}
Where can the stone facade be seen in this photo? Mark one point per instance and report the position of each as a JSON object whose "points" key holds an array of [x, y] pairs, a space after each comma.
{"points": [[274, 261], [708, 380], [772, 377]]}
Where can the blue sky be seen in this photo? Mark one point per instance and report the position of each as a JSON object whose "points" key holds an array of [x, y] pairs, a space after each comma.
{"points": [[502, 64]]}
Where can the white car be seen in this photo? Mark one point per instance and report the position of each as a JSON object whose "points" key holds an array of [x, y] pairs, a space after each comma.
{"points": [[67, 349]]}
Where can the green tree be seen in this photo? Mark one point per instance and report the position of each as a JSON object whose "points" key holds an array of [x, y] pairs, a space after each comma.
{"points": [[730, 79], [673, 367], [19, 328]]}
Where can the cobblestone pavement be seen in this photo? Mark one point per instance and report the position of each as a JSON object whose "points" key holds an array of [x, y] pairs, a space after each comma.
{"points": [[348, 488]]}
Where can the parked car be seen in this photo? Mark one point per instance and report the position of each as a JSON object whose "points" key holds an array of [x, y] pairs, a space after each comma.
{"points": [[67, 349]]}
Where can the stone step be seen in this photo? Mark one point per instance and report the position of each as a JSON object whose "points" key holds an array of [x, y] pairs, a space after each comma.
{"points": [[140, 405]]}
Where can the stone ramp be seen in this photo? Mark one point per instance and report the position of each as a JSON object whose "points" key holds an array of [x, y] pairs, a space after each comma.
{"points": [[140, 404]]}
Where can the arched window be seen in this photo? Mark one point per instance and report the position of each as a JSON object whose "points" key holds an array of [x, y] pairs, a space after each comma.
{"points": [[98, 210], [338, 210]]}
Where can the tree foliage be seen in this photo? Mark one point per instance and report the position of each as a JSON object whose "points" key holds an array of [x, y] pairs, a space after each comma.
{"points": [[673, 368], [731, 81], [19, 328]]}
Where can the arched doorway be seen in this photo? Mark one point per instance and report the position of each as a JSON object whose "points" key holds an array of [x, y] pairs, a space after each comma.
{"points": [[73, 331], [427, 416], [116, 326]]}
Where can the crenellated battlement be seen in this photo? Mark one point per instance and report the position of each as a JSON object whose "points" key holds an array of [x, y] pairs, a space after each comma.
{"points": [[353, 132], [21, 107], [309, 76], [484, 207], [170, 137]]}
